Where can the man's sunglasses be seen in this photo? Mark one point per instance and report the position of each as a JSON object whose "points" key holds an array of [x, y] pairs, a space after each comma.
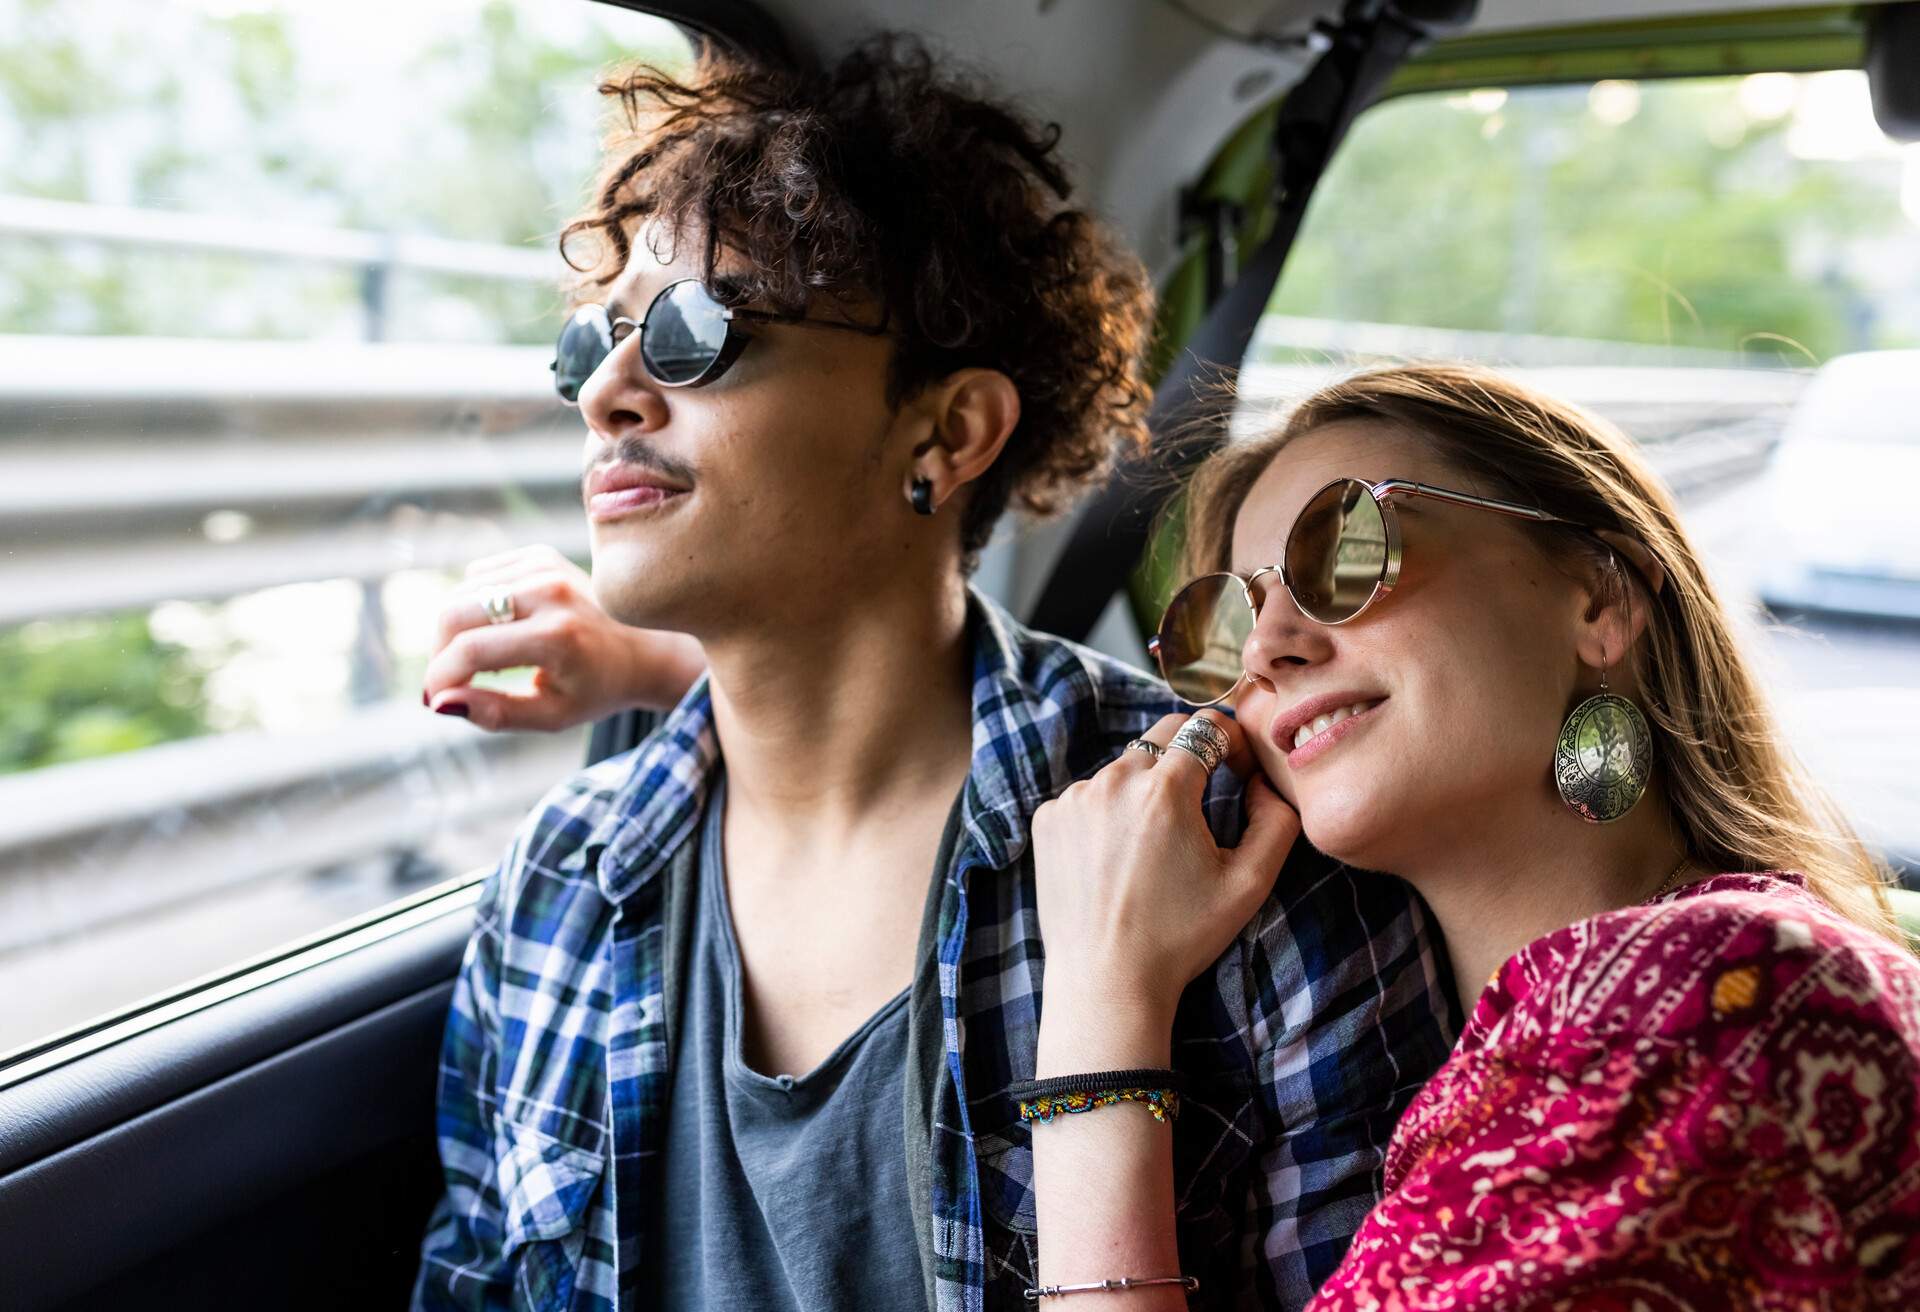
{"points": [[1342, 554], [687, 338]]}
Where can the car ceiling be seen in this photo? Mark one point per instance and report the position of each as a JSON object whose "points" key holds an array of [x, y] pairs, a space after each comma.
{"points": [[1146, 90]]}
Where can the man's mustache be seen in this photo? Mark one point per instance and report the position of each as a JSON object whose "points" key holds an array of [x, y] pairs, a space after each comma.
{"points": [[638, 453]]}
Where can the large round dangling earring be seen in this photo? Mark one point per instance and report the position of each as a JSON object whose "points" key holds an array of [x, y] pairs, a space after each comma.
{"points": [[1603, 757]]}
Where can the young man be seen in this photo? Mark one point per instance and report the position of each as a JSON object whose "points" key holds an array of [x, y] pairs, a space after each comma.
{"points": [[738, 1018]]}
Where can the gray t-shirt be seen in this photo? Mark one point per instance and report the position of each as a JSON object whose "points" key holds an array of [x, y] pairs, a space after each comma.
{"points": [[782, 1191]]}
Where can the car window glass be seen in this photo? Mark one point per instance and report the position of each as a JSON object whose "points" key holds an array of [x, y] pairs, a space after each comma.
{"points": [[1727, 268], [278, 288]]}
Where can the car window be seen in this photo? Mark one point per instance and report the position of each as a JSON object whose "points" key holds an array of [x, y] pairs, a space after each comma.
{"points": [[278, 286], [1728, 268]]}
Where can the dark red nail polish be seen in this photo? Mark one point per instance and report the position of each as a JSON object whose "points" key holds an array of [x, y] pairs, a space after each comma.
{"points": [[424, 699], [452, 708]]}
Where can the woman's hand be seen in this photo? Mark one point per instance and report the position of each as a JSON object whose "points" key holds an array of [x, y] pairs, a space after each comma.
{"points": [[588, 665], [1135, 897]]}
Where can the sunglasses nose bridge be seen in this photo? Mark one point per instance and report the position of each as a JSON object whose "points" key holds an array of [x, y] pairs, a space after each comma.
{"points": [[611, 346], [1257, 597], [585, 360], [1256, 593]]}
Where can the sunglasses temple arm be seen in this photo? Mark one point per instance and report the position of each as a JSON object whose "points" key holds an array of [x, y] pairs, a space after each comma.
{"points": [[768, 316], [1397, 487]]}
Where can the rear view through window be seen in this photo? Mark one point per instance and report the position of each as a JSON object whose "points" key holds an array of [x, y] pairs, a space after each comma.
{"points": [[278, 302]]}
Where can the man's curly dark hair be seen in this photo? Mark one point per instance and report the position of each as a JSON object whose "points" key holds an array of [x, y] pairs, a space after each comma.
{"points": [[887, 181]]}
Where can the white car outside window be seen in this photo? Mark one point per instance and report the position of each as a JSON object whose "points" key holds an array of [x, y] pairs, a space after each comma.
{"points": [[1841, 487]]}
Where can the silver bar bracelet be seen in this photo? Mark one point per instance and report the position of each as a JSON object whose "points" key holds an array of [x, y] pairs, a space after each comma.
{"points": [[1125, 1282]]}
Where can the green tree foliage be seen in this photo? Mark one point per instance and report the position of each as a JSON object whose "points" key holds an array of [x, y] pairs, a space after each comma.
{"points": [[1687, 224], [483, 127], [82, 688]]}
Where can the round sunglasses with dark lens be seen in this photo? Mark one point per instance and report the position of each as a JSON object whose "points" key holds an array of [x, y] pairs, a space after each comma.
{"points": [[1342, 554], [687, 338]]}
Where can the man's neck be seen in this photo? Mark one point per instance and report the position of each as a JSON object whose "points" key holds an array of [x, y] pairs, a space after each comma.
{"points": [[833, 722]]}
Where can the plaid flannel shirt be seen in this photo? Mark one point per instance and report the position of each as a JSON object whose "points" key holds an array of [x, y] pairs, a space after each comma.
{"points": [[1301, 1045]]}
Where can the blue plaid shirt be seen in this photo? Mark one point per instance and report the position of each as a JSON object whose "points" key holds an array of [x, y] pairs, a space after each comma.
{"points": [[1301, 1045]]}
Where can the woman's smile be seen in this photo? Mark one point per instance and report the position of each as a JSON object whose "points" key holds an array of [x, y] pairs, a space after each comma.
{"points": [[1315, 739]]}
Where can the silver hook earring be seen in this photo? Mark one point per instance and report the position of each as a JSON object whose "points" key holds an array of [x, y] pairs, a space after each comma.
{"points": [[1604, 755]]}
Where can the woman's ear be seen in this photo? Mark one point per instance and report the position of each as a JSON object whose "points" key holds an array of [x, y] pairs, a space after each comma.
{"points": [[1617, 613], [973, 413], [1637, 554]]}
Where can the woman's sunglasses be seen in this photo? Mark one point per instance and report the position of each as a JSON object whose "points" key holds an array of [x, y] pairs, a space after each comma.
{"points": [[1342, 554], [687, 338]]}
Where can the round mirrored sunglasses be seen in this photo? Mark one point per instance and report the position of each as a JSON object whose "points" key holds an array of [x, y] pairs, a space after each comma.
{"points": [[687, 338], [1342, 554]]}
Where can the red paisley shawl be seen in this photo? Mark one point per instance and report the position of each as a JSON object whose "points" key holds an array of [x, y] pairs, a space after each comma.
{"points": [[1709, 1101]]}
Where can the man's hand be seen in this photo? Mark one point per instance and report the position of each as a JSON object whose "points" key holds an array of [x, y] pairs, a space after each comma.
{"points": [[587, 664]]}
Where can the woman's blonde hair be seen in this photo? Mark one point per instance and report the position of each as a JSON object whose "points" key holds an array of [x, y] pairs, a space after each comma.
{"points": [[1741, 798]]}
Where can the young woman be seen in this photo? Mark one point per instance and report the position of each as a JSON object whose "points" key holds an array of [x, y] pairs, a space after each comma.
{"points": [[1468, 642]]}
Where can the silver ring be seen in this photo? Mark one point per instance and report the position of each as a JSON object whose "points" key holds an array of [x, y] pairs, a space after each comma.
{"points": [[1155, 750], [1203, 740], [499, 606]]}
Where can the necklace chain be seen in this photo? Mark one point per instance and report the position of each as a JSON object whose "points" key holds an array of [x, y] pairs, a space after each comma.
{"points": [[1668, 884]]}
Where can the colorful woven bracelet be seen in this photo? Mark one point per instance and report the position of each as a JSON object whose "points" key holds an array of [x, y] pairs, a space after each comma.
{"points": [[1163, 1103]]}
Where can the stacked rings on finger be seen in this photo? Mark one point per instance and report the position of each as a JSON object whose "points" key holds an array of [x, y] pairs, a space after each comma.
{"points": [[499, 606], [1155, 750], [1203, 740]]}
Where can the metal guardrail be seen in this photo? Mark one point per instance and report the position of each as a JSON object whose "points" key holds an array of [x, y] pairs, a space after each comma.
{"points": [[93, 842], [1282, 335], [376, 256], [218, 234], [1699, 427], [203, 470]]}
